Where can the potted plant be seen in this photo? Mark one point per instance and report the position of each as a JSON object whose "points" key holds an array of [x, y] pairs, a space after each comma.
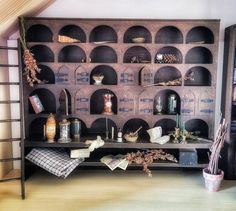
{"points": [[212, 174]]}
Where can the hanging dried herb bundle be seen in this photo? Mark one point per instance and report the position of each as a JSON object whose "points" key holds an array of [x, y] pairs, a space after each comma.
{"points": [[146, 158], [31, 68], [216, 148]]}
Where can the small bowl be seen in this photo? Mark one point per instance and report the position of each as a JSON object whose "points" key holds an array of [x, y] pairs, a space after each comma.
{"points": [[130, 138], [98, 79], [138, 40]]}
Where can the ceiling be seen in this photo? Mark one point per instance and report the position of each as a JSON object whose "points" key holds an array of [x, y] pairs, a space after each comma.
{"points": [[10, 10]]}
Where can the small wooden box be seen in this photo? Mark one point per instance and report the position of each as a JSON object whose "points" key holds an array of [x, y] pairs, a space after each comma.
{"points": [[188, 157]]}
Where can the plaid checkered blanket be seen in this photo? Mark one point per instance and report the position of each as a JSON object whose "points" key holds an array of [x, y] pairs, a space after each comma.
{"points": [[54, 160]]}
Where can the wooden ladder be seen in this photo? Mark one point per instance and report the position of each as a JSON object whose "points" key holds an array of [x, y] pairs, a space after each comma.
{"points": [[14, 174]]}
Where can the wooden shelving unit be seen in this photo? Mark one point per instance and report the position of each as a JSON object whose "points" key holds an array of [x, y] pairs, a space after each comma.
{"points": [[106, 47]]}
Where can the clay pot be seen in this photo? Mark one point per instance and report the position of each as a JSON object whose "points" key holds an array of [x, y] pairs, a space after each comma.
{"points": [[213, 181]]}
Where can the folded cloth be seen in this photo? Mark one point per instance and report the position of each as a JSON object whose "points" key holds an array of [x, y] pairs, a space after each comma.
{"points": [[94, 144], [54, 160]]}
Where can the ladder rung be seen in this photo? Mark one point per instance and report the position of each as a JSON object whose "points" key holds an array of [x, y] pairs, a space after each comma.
{"points": [[9, 101], [9, 179], [9, 65], [9, 120], [8, 48], [9, 159], [10, 139], [9, 83]]}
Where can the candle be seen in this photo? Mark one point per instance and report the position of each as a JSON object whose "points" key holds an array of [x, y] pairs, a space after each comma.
{"points": [[177, 120], [180, 122], [106, 124], [112, 133]]}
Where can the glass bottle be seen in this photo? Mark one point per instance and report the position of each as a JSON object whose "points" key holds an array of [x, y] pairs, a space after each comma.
{"points": [[172, 104]]}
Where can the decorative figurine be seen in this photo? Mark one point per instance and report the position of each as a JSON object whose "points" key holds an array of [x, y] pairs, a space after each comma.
{"points": [[50, 128], [64, 131], [75, 129], [107, 104]]}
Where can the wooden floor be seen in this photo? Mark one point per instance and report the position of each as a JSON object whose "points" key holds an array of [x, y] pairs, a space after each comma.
{"points": [[102, 190]]}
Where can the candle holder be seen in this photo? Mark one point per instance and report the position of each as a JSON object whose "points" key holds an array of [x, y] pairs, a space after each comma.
{"points": [[107, 110]]}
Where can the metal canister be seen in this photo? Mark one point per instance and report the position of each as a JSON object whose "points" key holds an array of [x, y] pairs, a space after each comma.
{"points": [[172, 104], [75, 129], [64, 131]]}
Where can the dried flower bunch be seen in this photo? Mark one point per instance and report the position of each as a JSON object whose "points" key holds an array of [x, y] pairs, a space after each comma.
{"points": [[146, 158], [31, 68], [216, 148]]}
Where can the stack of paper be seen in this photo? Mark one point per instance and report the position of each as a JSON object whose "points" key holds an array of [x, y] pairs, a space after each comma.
{"points": [[115, 161]]}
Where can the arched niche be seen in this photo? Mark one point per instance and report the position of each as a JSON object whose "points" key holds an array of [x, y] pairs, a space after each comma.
{"points": [[81, 75], [135, 32], [39, 33], [99, 127], [168, 74], [47, 99], [63, 75], [97, 101], [64, 102], [168, 55], [103, 54], [103, 33], [110, 76], [36, 128], [72, 53], [137, 54], [46, 74], [82, 102], [71, 33], [145, 76], [169, 35], [200, 35], [199, 55], [127, 77], [133, 124], [84, 129], [42, 53], [201, 76], [162, 100], [188, 103], [167, 125], [197, 126]]}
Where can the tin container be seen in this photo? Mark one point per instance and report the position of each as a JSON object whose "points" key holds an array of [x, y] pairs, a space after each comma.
{"points": [[75, 129], [64, 131], [172, 104]]}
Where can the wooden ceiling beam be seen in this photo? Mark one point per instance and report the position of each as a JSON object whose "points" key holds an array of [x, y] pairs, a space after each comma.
{"points": [[10, 10]]}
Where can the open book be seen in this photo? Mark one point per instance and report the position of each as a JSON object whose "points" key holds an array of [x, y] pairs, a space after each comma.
{"points": [[114, 161]]}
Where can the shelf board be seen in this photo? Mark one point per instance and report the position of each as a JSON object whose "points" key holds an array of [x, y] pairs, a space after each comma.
{"points": [[155, 164], [196, 144]]}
